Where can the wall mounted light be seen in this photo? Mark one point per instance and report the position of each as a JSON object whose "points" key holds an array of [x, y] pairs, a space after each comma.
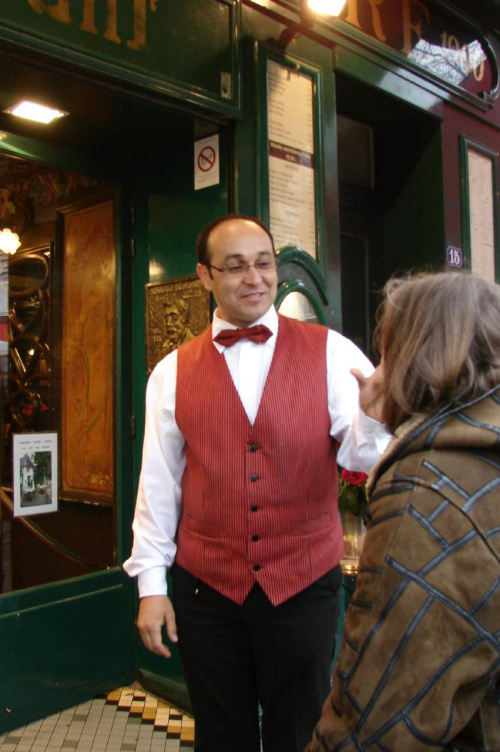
{"points": [[9, 241], [34, 111], [331, 8], [309, 9]]}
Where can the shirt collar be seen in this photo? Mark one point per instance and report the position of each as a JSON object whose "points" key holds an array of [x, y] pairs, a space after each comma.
{"points": [[270, 319]]}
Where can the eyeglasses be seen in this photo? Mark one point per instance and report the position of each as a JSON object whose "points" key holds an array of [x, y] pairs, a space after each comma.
{"points": [[239, 270]]}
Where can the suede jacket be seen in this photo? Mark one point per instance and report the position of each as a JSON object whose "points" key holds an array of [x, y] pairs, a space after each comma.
{"points": [[419, 668]]}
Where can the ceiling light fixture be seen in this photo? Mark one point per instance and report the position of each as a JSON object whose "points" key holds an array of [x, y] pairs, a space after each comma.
{"points": [[34, 111], [9, 241]]}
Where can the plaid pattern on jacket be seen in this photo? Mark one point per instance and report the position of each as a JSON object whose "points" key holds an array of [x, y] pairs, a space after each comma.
{"points": [[419, 668]]}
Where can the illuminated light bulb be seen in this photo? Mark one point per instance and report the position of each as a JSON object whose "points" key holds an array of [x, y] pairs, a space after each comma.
{"points": [[9, 241], [33, 111], [326, 7]]}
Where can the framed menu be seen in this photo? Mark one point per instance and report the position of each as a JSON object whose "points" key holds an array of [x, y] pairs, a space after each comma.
{"points": [[480, 216], [291, 146]]}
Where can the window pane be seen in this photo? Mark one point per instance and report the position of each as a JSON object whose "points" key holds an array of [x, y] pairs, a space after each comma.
{"points": [[57, 331]]}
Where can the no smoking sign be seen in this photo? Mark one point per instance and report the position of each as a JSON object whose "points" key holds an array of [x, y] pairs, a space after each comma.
{"points": [[206, 162], [206, 159]]}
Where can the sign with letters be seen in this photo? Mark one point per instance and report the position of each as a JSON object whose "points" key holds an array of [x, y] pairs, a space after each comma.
{"points": [[155, 42], [430, 36], [290, 112]]}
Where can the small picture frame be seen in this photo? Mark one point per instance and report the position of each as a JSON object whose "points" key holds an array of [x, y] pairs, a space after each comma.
{"points": [[177, 310], [34, 473]]}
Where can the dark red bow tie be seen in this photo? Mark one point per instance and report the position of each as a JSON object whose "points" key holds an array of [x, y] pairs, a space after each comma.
{"points": [[228, 337]]}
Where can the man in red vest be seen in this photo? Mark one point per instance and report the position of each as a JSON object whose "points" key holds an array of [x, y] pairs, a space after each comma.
{"points": [[238, 496]]}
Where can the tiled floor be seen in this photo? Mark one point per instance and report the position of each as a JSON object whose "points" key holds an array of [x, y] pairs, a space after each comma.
{"points": [[125, 720]]}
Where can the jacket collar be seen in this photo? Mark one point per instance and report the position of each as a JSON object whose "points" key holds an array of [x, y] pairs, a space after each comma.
{"points": [[474, 424]]}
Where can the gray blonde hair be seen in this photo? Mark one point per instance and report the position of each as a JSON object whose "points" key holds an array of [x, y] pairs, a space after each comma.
{"points": [[439, 337]]}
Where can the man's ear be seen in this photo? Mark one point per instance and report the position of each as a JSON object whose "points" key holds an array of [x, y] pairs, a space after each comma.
{"points": [[204, 274]]}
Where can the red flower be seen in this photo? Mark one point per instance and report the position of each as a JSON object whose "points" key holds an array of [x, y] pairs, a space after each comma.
{"points": [[353, 478]]}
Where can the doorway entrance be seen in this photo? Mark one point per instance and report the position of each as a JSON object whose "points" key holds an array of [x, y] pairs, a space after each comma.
{"points": [[102, 207], [391, 198]]}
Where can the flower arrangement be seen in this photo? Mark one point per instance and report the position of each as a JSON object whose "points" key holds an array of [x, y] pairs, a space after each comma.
{"points": [[353, 509], [352, 492]]}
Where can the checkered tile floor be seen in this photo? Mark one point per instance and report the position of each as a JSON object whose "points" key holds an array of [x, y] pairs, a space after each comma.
{"points": [[125, 720]]}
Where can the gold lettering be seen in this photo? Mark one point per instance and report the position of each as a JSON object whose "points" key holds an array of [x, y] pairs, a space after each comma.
{"points": [[409, 27], [353, 18], [352, 14], [111, 32], [450, 42], [466, 58], [88, 21], [139, 40], [59, 12], [478, 71]]}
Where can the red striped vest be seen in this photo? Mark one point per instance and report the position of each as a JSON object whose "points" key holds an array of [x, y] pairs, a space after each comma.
{"points": [[259, 502]]}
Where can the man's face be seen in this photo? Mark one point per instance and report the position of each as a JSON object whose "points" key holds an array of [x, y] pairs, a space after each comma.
{"points": [[175, 324], [241, 300]]}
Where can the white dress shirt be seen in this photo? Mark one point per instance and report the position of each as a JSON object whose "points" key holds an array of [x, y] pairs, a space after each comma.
{"points": [[362, 440]]}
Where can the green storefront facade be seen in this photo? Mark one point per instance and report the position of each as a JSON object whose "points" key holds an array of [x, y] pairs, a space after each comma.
{"points": [[369, 143]]}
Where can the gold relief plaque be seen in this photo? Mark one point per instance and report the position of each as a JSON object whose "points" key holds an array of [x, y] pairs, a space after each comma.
{"points": [[176, 311]]}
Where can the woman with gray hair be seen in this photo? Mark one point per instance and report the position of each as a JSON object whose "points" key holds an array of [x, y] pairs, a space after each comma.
{"points": [[419, 667]]}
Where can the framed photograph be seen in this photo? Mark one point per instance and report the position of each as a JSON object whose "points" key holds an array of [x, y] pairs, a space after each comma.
{"points": [[34, 473], [176, 311]]}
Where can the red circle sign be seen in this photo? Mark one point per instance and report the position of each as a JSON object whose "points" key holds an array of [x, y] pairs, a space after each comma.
{"points": [[206, 159]]}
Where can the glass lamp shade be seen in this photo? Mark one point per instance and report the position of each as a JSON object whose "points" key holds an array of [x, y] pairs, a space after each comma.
{"points": [[9, 241], [326, 7]]}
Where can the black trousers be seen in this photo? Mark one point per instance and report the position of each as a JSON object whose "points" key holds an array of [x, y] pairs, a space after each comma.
{"points": [[236, 658]]}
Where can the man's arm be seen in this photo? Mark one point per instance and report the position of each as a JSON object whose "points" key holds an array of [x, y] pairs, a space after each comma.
{"points": [[362, 438], [158, 508]]}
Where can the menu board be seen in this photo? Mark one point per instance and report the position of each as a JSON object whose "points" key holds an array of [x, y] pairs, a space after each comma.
{"points": [[481, 214], [292, 190]]}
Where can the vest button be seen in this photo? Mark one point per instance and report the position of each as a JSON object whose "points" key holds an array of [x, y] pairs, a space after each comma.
{"points": [[255, 538], [253, 478], [254, 508], [256, 567], [253, 448]]}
